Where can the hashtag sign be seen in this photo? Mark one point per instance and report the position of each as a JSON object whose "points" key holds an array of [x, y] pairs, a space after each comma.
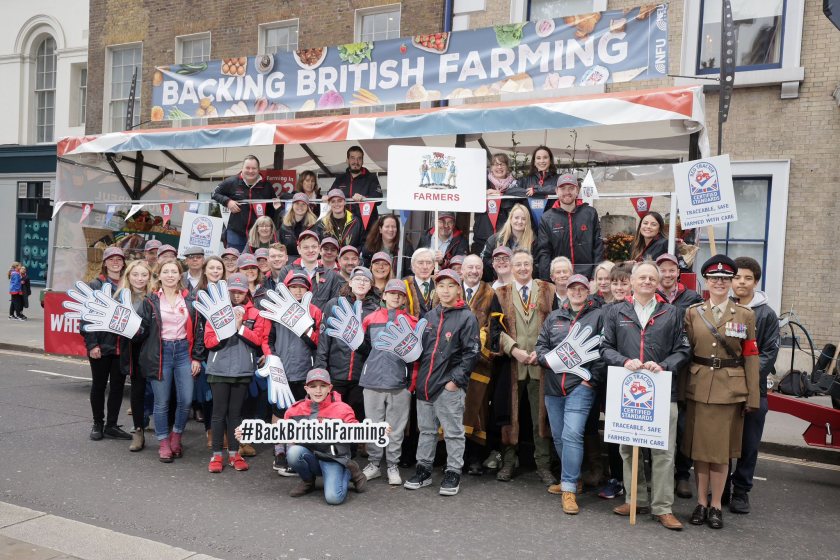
{"points": [[247, 431], [568, 355], [351, 330], [406, 346], [292, 316], [119, 320], [222, 317]]}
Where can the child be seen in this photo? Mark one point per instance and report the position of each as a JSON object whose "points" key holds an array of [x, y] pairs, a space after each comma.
{"points": [[16, 291], [385, 378], [620, 283], [297, 354], [332, 461], [230, 366], [450, 349], [26, 288]]}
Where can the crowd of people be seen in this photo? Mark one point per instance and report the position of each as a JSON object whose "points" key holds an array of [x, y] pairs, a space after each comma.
{"points": [[489, 315]]}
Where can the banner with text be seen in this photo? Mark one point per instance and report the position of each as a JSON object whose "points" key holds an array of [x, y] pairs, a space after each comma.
{"points": [[61, 334], [550, 54], [705, 192], [638, 408]]}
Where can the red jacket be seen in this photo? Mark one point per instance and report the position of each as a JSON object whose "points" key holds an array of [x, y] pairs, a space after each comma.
{"points": [[255, 330]]}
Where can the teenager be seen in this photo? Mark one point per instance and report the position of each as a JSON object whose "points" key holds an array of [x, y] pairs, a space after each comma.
{"points": [[339, 223], [230, 257], [329, 253], [325, 283], [300, 218], [278, 257], [516, 233]]}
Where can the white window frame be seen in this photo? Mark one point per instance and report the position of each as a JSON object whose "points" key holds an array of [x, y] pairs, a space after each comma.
{"points": [[789, 75], [78, 95], [181, 40], [106, 92], [264, 28], [37, 91], [362, 13]]}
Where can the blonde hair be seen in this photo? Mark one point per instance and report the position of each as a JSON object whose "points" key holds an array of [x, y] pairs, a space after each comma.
{"points": [[506, 232], [254, 236], [15, 266], [309, 218], [124, 281], [603, 265]]}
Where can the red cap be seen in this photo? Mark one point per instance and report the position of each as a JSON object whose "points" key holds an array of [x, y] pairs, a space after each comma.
{"points": [[308, 233], [246, 260], [347, 249], [448, 273], [336, 193], [261, 253], [167, 249], [113, 252]]}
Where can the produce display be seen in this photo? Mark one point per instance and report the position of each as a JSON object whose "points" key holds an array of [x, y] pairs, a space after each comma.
{"points": [[234, 66], [434, 42]]}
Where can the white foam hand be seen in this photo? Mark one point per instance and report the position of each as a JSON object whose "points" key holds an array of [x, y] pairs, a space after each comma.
{"points": [[574, 351], [346, 323], [101, 312], [281, 307], [398, 338], [214, 305], [279, 392]]}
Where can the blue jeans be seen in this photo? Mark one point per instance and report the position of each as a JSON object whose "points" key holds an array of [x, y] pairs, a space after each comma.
{"points": [[235, 239], [567, 416], [176, 368], [742, 477], [308, 466]]}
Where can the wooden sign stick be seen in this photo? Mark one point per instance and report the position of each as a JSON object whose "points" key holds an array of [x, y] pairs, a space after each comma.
{"points": [[634, 484], [710, 231]]}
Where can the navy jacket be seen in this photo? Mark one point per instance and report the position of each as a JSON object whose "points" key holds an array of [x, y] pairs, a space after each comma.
{"points": [[451, 347]]}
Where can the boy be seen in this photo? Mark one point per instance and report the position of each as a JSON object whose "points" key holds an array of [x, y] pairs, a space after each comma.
{"points": [[450, 349], [744, 286]]}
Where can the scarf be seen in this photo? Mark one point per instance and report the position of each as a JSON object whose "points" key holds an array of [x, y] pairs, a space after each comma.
{"points": [[501, 185]]}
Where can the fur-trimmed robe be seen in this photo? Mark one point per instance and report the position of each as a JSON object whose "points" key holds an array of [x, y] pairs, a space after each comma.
{"points": [[503, 317], [478, 394]]}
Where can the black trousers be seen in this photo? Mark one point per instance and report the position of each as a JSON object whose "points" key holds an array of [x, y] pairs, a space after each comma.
{"points": [[16, 305], [353, 395], [228, 399], [103, 370]]}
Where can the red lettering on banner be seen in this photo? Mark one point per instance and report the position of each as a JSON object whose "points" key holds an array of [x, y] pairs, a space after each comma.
{"points": [[440, 197]]}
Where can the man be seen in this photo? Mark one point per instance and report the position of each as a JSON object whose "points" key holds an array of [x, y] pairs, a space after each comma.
{"points": [[325, 283], [261, 255], [521, 308], [358, 184], [348, 259], [501, 266], [166, 253], [151, 251], [647, 333], [230, 256], [744, 286], [450, 349], [329, 253], [277, 259], [479, 297], [569, 230], [420, 285], [248, 185], [339, 223], [673, 292], [195, 268], [559, 272], [456, 263], [450, 241]]}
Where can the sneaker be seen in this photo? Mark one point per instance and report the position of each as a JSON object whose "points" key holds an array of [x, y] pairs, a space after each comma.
{"points": [[372, 471], [422, 477], [164, 451], [96, 431], [451, 483], [12, 317], [394, 478], [22, 317], [357, 476], [302, 488], [237, 462], [280, 462], [216, 464], [116, 432], [175, 445], [613, 489], [740, 502], [493, 460], [570, 506]]}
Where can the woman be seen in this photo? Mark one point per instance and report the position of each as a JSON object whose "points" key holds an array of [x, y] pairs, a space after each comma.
{"points": [[299, 219], [560, 271], [103, 354], [541, 179], [262, 234], [214, 271], [500, 182], [138, 281], [650, 241], [569, 397], [517, 233], [721, 388], [600, 289], [308, 185], [380, 267], [384, 236], [171, 354]]}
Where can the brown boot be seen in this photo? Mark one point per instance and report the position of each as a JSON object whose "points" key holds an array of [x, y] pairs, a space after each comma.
{"points": [[302, 488], [357, 476], [247, 450], [570, 504], [138, 440]]}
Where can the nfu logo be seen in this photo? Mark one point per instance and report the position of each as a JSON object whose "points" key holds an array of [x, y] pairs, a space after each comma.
{"points": [[662, 17]]}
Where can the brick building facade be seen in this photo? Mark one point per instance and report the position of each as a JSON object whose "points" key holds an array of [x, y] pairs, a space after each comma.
{"points": [[783, 133]]}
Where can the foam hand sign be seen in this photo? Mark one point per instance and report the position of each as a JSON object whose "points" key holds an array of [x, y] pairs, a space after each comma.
{"points": [[398, 337], [281, 307], [101, 312], [346, 323], [279, 393], [214, 305], [575, 350]]}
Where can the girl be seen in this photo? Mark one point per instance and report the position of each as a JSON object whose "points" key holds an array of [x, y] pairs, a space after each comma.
{"points": [[380, 267], [104, 358], [262, 234], [650, 241], [171, 354], [16, 293], [230, 366], [213, 271], [384, 236], [26, 288], [298, 220], [517, 233], [138, 281], [600, 288], [542, 177]]}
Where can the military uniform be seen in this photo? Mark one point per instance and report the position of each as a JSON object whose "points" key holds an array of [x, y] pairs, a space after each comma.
{"points": [[719, 384]]}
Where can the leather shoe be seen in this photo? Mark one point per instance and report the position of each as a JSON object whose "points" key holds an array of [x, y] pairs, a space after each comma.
{"points": [[624, 510], [683, 489], [715, 518], [740, 502], [698, 517], [669, 521]]}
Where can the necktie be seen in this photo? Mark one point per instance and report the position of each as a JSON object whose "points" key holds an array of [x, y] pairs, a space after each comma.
{"points": [[469, 294], [716, 313], [426, 291], [524, 294]]}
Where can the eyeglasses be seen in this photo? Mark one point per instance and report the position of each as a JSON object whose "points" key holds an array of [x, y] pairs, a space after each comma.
{"points": [[501, 259], [717, 279]]}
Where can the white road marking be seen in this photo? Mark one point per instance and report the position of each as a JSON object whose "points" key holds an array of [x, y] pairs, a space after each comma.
{"points": [[76, 361], [760, 478], [802, 462], [59, 374]]}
